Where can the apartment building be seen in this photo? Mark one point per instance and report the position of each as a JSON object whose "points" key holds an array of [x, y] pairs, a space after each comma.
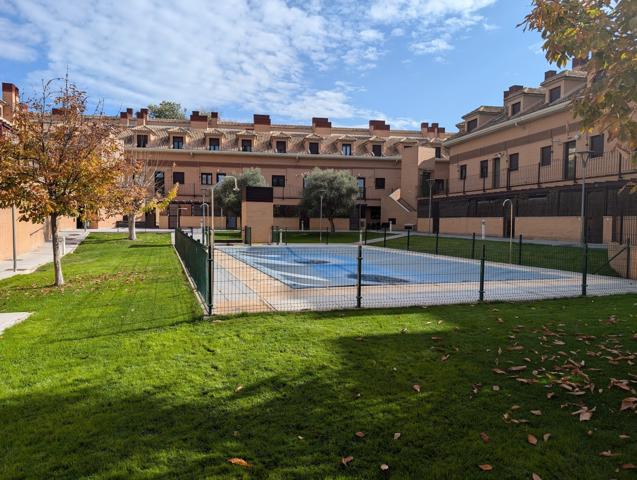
{"points": [[201, 151], [530, 150]]}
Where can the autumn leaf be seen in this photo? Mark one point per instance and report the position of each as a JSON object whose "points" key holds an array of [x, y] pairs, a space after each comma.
{"points": [[499, 371], [384, 467], [485, 438], [416, 387], [546, 437], [628, 466], [607, 453], [396, 435], [238, 389], [485, 467], [517, 368], [360, 434], [532, 439], [537, 413], [238, 461], [628, 403], [345, 460], [535, 476]]}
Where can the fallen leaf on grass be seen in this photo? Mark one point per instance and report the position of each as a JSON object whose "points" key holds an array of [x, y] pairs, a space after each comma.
{"points": [[238, 461], [535, 476], [239, 388], [485, 438], [499, 371], [496, 388], [623, 436], [384, 467], [444, 358], [628, 403], [360, 434], [396, 435], [546, 437], [628, 466], [537, 413], [346, 460], [517, 368], [607, 453], [485, 467], [436, 339], [532, 439], [550, 395], [416, 387]]}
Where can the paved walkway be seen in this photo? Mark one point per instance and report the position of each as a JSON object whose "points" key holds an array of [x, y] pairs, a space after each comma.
{"points": [[10, 319], [30, 261]]}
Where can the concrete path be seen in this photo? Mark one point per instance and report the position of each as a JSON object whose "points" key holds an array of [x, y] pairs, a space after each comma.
{"points": [[10, 319], [390, 236], [30, 261]]}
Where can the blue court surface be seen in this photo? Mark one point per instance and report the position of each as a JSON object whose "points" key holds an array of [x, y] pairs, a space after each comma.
{"points": [[336, 266]]}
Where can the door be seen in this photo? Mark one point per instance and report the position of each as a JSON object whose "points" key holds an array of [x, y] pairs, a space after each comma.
{"points": [[496, 172], [150, 219], [569, 160], [595, 207], [506, 221], [231, 223]]}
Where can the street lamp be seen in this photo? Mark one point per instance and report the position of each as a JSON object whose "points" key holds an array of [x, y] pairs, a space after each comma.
{"points": [[510, 227], [586, 155], [212, 204]]}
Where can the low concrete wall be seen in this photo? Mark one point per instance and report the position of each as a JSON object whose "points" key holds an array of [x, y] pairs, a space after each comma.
{"points": [[620, 262], [28, 235]]}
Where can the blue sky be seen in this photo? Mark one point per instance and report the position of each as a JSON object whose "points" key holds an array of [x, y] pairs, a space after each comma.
{"points": [[405, 61]]}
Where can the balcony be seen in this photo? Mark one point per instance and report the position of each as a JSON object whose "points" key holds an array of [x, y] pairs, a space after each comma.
{"points": [[610, 165]]}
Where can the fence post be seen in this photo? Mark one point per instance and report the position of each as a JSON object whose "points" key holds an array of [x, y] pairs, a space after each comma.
{"points": [[192, 232], [473, 246], [482, 272], [359, 271], [520, 251], [327, 236], [408, 238], [384, 236], [584, 267], [366, 235], [437, 238], [211, 277], [628, 272]]}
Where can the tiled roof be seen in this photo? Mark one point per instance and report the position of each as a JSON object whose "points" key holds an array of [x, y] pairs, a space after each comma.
{"points": [[262, 140]]}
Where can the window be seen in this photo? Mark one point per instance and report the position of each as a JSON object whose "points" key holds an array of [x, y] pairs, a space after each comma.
{"points": [[545, 155], [206, 178], [346, 149], [377, 150], [596, 145], [178, 143], [438, 153], [472, 125], [379, 183], [463, 172], [220, 177], [246, 145], [515, 108], [514, 160], [484, 168], [278, 180], [281, 146], [142, 141], [314, 148], [159, 182], [178, 177], [554, 94], [214, 144], [360, 181]]}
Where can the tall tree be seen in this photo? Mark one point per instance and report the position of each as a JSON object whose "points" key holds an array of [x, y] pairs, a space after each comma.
{"points": [[229, 199], [166, 109], [57, 161], [605, 33], [136, 190], [338, 190]]}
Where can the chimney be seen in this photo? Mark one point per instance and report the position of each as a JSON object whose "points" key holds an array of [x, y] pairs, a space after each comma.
{"points": [[213, 119], [142, 116], [261, 122], [549, 74], [379, 128], [431, 131], [11, 95], [197, 120], [125, 117], [321, 125]]}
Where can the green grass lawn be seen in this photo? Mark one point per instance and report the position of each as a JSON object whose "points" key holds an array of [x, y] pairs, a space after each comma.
{"points": [[118, 376], [533, 255], [222, 235], [326, 237]]}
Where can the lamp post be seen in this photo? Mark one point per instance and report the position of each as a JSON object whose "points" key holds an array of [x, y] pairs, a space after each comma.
{"points": [[510, 227], [212, 204], [586, 155]]}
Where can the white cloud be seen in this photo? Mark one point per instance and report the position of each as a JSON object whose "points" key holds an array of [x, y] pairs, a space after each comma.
{"points": [[431, 46], [371, 35], [16, 43]]}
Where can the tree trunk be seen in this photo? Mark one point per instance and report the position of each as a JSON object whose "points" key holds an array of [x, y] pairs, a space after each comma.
{"points": [[57, 255], [132, 232], [332, 227]]}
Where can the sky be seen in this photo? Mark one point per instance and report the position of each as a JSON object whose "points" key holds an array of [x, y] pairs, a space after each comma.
{"points": [[404, 61]]}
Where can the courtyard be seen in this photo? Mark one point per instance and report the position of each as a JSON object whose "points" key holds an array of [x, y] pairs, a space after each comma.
{"points": [[118, 375]]}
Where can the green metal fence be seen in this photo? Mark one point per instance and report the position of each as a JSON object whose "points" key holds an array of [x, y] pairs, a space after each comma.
{"points": [[196, 257]]}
